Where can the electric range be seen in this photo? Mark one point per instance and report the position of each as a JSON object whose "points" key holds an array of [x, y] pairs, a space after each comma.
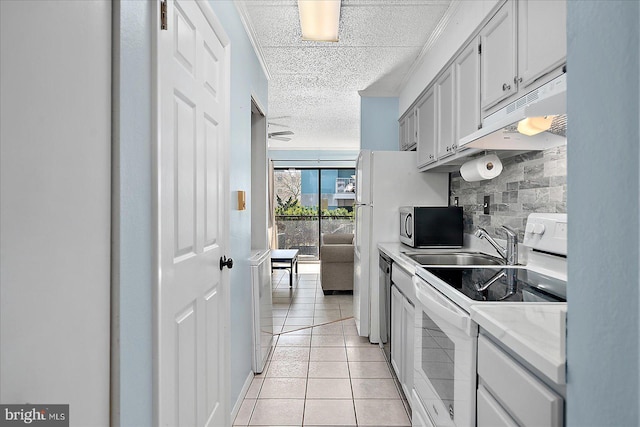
{"points": [[502, 284]]}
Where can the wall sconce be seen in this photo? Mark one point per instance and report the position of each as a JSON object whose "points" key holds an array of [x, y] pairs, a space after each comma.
{"points": [[242, 200], [319, 19]]}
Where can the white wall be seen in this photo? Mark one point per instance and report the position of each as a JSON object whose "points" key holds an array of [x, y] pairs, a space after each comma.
{"points": [[603, 333], [247, 79], [379, 129], [55, 205], [466, 17]]}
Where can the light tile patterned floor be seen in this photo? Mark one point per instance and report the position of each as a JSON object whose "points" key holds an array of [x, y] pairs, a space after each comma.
{"points": [[320, 373]]}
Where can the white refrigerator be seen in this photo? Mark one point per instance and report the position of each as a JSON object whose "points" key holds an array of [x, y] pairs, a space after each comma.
{"points": [[385, 180]]}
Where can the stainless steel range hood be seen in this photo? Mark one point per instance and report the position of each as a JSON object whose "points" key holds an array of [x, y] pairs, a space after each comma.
{"points": [[500, 129]]}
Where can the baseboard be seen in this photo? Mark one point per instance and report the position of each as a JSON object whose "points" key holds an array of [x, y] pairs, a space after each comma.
{"points": [[243, 393]]}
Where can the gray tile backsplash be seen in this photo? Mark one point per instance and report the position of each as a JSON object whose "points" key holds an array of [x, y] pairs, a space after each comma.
{"points": [[532, 182]]}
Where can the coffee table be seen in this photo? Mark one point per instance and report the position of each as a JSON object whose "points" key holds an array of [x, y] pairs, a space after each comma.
{"points": [[285, 259]]}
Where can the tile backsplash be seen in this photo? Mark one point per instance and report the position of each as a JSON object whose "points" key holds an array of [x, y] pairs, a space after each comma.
{"points": [[531, 182]]}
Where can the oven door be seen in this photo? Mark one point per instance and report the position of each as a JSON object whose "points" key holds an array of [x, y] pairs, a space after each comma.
{"points": [[445, 358], [406, 226]]}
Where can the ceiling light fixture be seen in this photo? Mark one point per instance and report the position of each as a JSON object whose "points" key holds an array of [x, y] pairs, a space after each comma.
{"points": [[534, 125], [319, 19]]}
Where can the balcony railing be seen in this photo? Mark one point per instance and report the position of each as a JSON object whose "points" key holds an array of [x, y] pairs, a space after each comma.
{"points": [[301, 231]]}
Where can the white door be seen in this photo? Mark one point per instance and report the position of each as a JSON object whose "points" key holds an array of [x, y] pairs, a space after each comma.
{"points": [[193, 296]]}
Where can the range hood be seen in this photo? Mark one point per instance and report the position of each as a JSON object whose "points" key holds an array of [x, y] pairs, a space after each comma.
{"points": [[547, 105]]}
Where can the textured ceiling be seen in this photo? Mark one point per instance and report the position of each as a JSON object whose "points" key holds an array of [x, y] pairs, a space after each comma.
{"points": [[314, 86]]}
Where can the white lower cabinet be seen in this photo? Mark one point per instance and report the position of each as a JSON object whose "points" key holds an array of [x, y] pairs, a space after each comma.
{"points": [[402, 319], [490, 413], [509, 394], [396, 331], [408, 319]]}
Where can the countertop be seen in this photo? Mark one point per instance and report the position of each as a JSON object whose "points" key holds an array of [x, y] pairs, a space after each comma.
{"points": [[535, 332], [395, 250]]}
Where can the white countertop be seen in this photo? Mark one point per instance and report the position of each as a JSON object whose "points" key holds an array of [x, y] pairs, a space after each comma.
{"points": [[395, 250], [534, 331]]}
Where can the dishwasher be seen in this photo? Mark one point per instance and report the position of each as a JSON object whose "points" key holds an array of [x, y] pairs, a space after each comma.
{"points": [[385, 264]]}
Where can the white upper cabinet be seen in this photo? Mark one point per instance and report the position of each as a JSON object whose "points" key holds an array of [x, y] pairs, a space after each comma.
{"points": [[467, 102], [446, 135], [498, 62], [403, 134], [523, 46], [542, 38], [408, 134], [412, 134], [427, 130]]}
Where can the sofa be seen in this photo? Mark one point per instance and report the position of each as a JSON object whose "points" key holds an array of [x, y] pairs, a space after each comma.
{"points": [[336, 262]]}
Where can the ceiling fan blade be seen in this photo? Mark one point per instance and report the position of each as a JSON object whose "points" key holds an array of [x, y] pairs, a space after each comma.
{"points": [[280, 138], [280, 133], [280, 125]]}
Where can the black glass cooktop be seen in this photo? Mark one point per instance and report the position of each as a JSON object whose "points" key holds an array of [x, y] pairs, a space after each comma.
{"points": [[503, 284]]}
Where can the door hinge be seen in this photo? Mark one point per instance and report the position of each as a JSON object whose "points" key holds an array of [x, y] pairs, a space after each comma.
{"points": [[163, 15], [480, 49]]}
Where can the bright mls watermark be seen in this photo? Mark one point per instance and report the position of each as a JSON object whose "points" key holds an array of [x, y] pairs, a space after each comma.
{"points": [[34, 415]]}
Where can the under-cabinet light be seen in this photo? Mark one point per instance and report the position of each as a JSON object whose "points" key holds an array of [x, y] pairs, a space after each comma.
{"points": [[319, 19], [534, 125]]}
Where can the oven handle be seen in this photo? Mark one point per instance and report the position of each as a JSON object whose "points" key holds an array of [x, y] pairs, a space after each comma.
{"points": [[438, 304]]}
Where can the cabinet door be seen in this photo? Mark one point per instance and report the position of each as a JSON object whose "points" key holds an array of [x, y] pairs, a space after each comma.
{"points": [[411, 130], [446, 126], [490, 413], [403, 134], [534, 404], [542, 38], [407, 346], [427, 131], [467, 76], [498, 58], [396, 331]]}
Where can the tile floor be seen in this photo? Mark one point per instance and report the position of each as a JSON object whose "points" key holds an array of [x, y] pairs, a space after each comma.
{"points": [[320, 373]]}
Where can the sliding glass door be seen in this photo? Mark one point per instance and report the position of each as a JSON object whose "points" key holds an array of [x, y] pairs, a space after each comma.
{"points": [[310, 202]]}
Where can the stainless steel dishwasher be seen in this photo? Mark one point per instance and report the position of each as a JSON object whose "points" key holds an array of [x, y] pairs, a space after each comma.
{"points": [[385, 264]]}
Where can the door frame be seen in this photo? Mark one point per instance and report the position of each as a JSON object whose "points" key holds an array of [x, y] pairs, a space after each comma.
{"points": [[215, 23]]}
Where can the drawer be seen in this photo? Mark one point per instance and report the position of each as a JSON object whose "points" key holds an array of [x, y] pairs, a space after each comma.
{"points": [[490, 413], [529, 401], [402, 280]]}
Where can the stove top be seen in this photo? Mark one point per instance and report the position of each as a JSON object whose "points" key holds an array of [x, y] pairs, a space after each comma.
{"points": [[502, 284]]}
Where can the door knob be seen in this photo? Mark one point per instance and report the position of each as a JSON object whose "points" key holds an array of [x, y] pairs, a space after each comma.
{"points": [[224, 261]]}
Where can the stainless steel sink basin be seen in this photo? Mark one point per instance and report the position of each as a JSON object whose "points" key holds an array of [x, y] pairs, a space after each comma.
{"points": [[455, 258]]}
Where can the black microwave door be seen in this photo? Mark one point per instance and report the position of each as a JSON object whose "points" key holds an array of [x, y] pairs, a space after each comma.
{"points": [[439, 226]]}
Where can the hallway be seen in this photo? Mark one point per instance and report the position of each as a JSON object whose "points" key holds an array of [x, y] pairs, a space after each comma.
{"points": [[320, 375]]}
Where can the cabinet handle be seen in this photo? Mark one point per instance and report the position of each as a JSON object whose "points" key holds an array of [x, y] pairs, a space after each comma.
{"points": [[506, 87], [517, 80]]}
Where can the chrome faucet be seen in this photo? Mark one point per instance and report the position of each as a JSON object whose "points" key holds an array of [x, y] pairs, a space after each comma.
{"points": [[510, 253]]}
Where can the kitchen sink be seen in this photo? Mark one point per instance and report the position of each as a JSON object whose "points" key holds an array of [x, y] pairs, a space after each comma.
{"points": [[455, 258]]}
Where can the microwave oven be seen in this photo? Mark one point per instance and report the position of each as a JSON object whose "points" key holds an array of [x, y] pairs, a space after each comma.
{"points": [[431, 226]]}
